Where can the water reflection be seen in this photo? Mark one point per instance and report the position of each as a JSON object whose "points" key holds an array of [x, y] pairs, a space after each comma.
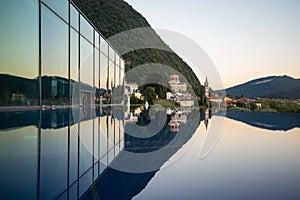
{"points": [[267, 120], [114, 184], [90, 152], [247, 163], [49, 154], [119, 184]]}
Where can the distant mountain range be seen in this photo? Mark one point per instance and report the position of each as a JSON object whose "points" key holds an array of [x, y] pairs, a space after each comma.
{"points": [[268, 87]]}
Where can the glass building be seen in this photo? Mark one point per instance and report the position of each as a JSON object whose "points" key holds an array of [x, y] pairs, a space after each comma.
{"points": [[60, 81], [51, 55]]}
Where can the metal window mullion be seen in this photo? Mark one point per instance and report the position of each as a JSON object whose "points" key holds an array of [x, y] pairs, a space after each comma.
{"points": [[69, 53], [40, 54], [79, 84]]}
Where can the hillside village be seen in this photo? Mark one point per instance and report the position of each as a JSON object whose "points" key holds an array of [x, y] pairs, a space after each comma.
{"points": [[177, 92]]}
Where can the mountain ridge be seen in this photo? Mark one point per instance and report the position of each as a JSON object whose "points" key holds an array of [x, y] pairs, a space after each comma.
{"points": [[267, 87]]}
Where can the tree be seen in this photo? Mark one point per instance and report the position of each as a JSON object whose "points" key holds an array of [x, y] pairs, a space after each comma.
{"points": [[134, 100], [149, 94]]}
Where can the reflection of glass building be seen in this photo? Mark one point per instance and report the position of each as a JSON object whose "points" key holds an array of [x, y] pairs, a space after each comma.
{"points": [[51, 54], [55, 153]]}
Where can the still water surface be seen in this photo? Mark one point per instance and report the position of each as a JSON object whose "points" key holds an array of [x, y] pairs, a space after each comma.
{"points": [[64, 154], [247, 163]]}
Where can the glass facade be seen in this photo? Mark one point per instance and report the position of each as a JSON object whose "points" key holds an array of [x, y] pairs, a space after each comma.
{"points": [[64, 60], [58, 76]]}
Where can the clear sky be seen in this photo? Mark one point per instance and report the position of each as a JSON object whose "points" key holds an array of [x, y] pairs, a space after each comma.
{"points": [[246, 39]]}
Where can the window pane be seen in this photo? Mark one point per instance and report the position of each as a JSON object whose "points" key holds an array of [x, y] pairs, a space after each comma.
{"points": [[96, 42], [103, 78], [96, 134], [111, 54], [103, 46], [117, 59], [117, 75], [87, 92], [55, 83], [74, 69], [117, 136], [86, 29], [18, 56], [122, 72], [86, 145], [111, 76], [103, 139], [122, 65], [111, 138], [111, 70], [60, 7], [117, 94], [119, 91], [96, 168], [122, 144], [85, 182], [74, 17], [73, 193], [73, 153]]}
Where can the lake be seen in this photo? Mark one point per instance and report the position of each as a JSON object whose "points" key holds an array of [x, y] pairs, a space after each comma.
{"points": [[106, 153]]}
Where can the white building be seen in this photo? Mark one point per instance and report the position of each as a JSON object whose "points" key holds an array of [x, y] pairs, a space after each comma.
{"points": [[132, 87], [179, 92], [176, 85], [185, 99], [170, 96]]}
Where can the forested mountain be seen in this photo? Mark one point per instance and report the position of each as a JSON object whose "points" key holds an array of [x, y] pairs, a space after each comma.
{"points": [[115, 16], [268, 87]]}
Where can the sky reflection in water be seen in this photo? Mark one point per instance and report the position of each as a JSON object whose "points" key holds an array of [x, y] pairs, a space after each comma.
{"points": [[247, 163]]}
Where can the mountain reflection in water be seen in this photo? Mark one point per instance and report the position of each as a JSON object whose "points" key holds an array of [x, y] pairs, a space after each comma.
{"points": [[101, 153], [267, 120]]}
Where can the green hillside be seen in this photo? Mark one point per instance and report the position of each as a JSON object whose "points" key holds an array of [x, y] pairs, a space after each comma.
{"points": [[115, 16]]}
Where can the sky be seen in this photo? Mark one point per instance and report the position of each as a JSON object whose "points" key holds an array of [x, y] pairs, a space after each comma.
{"points": [[246, 39]]}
